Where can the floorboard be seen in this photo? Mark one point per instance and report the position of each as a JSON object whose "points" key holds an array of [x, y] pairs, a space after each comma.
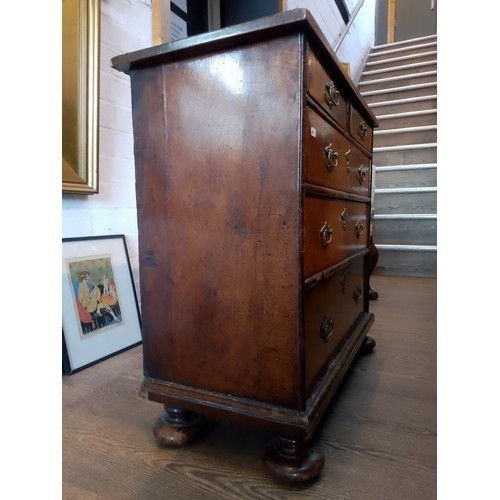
{"points": [[378, 435]]}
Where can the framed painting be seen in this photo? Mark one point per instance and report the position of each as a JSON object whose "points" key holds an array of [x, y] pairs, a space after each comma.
{"points": [[80, 96], [100, 312]]}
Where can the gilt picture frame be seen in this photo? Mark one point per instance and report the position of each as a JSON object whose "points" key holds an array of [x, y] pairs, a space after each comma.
{"points": [[100, 311], [80, 96]]}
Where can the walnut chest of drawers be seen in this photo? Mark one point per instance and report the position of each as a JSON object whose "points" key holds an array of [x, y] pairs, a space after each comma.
{"points": [[253, 169]]}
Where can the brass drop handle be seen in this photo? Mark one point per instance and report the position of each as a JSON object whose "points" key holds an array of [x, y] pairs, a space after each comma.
{"points": [[332, 157], [326, 234], [332, 95], [362, 130], [358, 228], [348, 156], [326, 328], [362, 174], [356, 294]]}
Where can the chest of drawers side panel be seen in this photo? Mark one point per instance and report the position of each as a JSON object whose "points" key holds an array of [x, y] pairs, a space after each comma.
{"points": [[217, 158]]}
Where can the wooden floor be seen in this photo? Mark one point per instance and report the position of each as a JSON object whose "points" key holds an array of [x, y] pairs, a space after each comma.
{"points": [[378, 436]]}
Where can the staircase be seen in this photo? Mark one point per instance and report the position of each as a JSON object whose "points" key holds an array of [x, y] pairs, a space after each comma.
{"points": [[399, 83]]}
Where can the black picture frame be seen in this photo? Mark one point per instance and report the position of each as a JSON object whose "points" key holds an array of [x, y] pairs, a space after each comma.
{"points": [[100, 310]]}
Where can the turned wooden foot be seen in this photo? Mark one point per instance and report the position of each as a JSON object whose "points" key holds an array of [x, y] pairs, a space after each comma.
{"points": [[368, 345], [291, 460], [176, 427]]}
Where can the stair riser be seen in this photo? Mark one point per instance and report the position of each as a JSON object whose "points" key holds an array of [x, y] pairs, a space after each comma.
{"points": [[406, 178], [404, 107], [403, 61], [406, 157], [406, 263], [400, 71], [405, 231], [407, 121], [410, 80], [404, 93], [397, 138], [405, 203]]}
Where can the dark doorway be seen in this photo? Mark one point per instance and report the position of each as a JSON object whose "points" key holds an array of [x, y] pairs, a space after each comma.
{"points": [[235, 12]]}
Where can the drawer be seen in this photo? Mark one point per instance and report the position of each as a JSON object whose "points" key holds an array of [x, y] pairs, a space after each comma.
{"points": [[323, 89], [360, 130], [333, 230], [332, 160], [330, 310]]}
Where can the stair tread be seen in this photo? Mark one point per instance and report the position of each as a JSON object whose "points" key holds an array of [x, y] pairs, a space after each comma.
{"points": [[415, 166], [383, 216], [390, 79], [408, 41], [403, 247], [399, 89], [395, 190], [407, 114], [405, 100], [407, 146], [398, 68], [403, 130], [402, 58], [376, 53]]}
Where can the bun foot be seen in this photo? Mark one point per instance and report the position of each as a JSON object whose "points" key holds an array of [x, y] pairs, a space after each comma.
{"points": [[293, 461], [176, 427], [368, 345], [372, 294]]}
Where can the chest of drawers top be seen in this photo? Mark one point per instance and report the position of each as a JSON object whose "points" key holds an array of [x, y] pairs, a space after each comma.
{"points": [[289, 22]]}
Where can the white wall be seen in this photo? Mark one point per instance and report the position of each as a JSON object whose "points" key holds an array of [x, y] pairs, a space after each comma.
{"points": [[126, 26]]}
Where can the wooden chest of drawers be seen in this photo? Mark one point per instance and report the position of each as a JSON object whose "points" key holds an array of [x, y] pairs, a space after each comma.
{"points": [[253, 169]]}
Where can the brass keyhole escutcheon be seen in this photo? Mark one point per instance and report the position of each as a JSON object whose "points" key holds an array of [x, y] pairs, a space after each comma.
{"points": [[348, 159], [332, 156], [362, 174], [326, 328], [356, 294], [358, 228], [326, 233], [344, 215], [332, 95], [362, 130]]}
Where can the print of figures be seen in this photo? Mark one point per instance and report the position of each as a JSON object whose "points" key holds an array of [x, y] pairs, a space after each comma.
{"points": [[95, 293]]}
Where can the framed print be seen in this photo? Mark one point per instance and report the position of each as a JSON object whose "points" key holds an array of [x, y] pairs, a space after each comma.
{"points": [[100, 313]]}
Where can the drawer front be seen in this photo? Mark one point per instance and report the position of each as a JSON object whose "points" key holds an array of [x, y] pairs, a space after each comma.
{"points": [[333, 230], [331, 309], [360, 130], [332, 160], [324, 91]]}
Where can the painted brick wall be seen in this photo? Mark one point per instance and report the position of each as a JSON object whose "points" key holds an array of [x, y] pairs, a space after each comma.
{"points": [[126, 26]]}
